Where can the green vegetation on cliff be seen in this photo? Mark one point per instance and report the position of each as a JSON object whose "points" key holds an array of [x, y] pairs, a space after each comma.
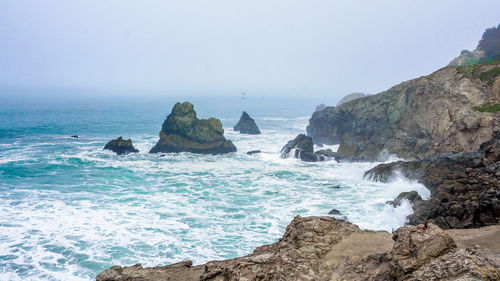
{"points": [[488, 107]]}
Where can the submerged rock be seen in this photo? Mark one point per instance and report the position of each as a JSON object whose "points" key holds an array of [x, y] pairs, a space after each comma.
{"points": [[121, 146], [465, 187], [324, 248], [183, 131], [334, 212], [246, 125], [251, 152]]}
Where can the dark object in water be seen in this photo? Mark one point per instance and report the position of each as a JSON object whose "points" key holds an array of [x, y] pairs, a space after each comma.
{"points": [[253, 152], [121, 146], [74, 136], [334, 212]]}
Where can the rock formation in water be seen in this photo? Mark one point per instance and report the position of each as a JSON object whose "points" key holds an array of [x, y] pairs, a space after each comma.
{"points": [[183, 131], [487, 50], [465, 187], [351, 97], [453, 109], [121, 146], [246, 125], [324, 248], [302, 147]]}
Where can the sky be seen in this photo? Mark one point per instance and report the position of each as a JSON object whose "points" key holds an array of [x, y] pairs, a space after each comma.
{"points": [[223, 47]]}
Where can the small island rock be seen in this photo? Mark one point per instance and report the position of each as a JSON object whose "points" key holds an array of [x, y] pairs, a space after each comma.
{"points": [[121, 146], [183, 131], [246, 125]]}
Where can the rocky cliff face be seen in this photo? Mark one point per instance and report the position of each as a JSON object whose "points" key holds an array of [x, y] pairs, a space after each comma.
{"points": [[183, 131], [465, 187], [437, 113], [323, 248]]}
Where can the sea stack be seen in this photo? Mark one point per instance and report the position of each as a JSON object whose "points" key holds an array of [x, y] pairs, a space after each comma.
{"points": [[183, 131], [246, 125], [121, 146]]}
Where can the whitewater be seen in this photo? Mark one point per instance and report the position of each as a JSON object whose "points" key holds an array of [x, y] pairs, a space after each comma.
{"points": [[69, 209]]}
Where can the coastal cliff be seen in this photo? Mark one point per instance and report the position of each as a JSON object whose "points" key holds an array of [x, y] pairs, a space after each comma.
{"points": [[453, 109], [465, 187], [324, 248]]}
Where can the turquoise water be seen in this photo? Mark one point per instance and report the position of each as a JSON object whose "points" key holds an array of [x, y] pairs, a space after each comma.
{"points": [[69, 209]]}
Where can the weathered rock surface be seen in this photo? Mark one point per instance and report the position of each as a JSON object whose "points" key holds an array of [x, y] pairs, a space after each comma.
{"points": [[302, 147], [246, 125], [121, 146], [415, 119], [351, 97], [183, 131], [465, 187], [326, 249], [411, 196], [488, 49]]}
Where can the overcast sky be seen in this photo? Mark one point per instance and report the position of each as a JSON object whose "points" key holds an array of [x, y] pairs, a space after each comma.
{"points": [[288, 47]]}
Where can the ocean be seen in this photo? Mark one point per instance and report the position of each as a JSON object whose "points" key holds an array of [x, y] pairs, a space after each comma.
{"points": [[69, 209]]}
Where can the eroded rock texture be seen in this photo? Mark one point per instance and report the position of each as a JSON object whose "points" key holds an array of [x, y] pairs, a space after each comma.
{"points": [[415, 119], [326, 249], [183, 131], [465, 187]]}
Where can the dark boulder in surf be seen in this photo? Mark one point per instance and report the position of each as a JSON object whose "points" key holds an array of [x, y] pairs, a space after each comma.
{"points": [[252, 152], [246, 125], [183, 131], [302, 147], [121, 146]]}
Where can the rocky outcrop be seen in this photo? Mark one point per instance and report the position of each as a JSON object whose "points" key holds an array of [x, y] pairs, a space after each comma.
{"points": [[121, 146], [324, 248], [246, 125], [320, 107], [465, 187], [415, 119], [411, 196], [351, 97], [183, 131], [487, 50], [302, 147]]}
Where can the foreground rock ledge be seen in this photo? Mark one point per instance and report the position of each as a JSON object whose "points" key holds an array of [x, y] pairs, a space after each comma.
{"points": [[323, 248], [183, 131]]}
